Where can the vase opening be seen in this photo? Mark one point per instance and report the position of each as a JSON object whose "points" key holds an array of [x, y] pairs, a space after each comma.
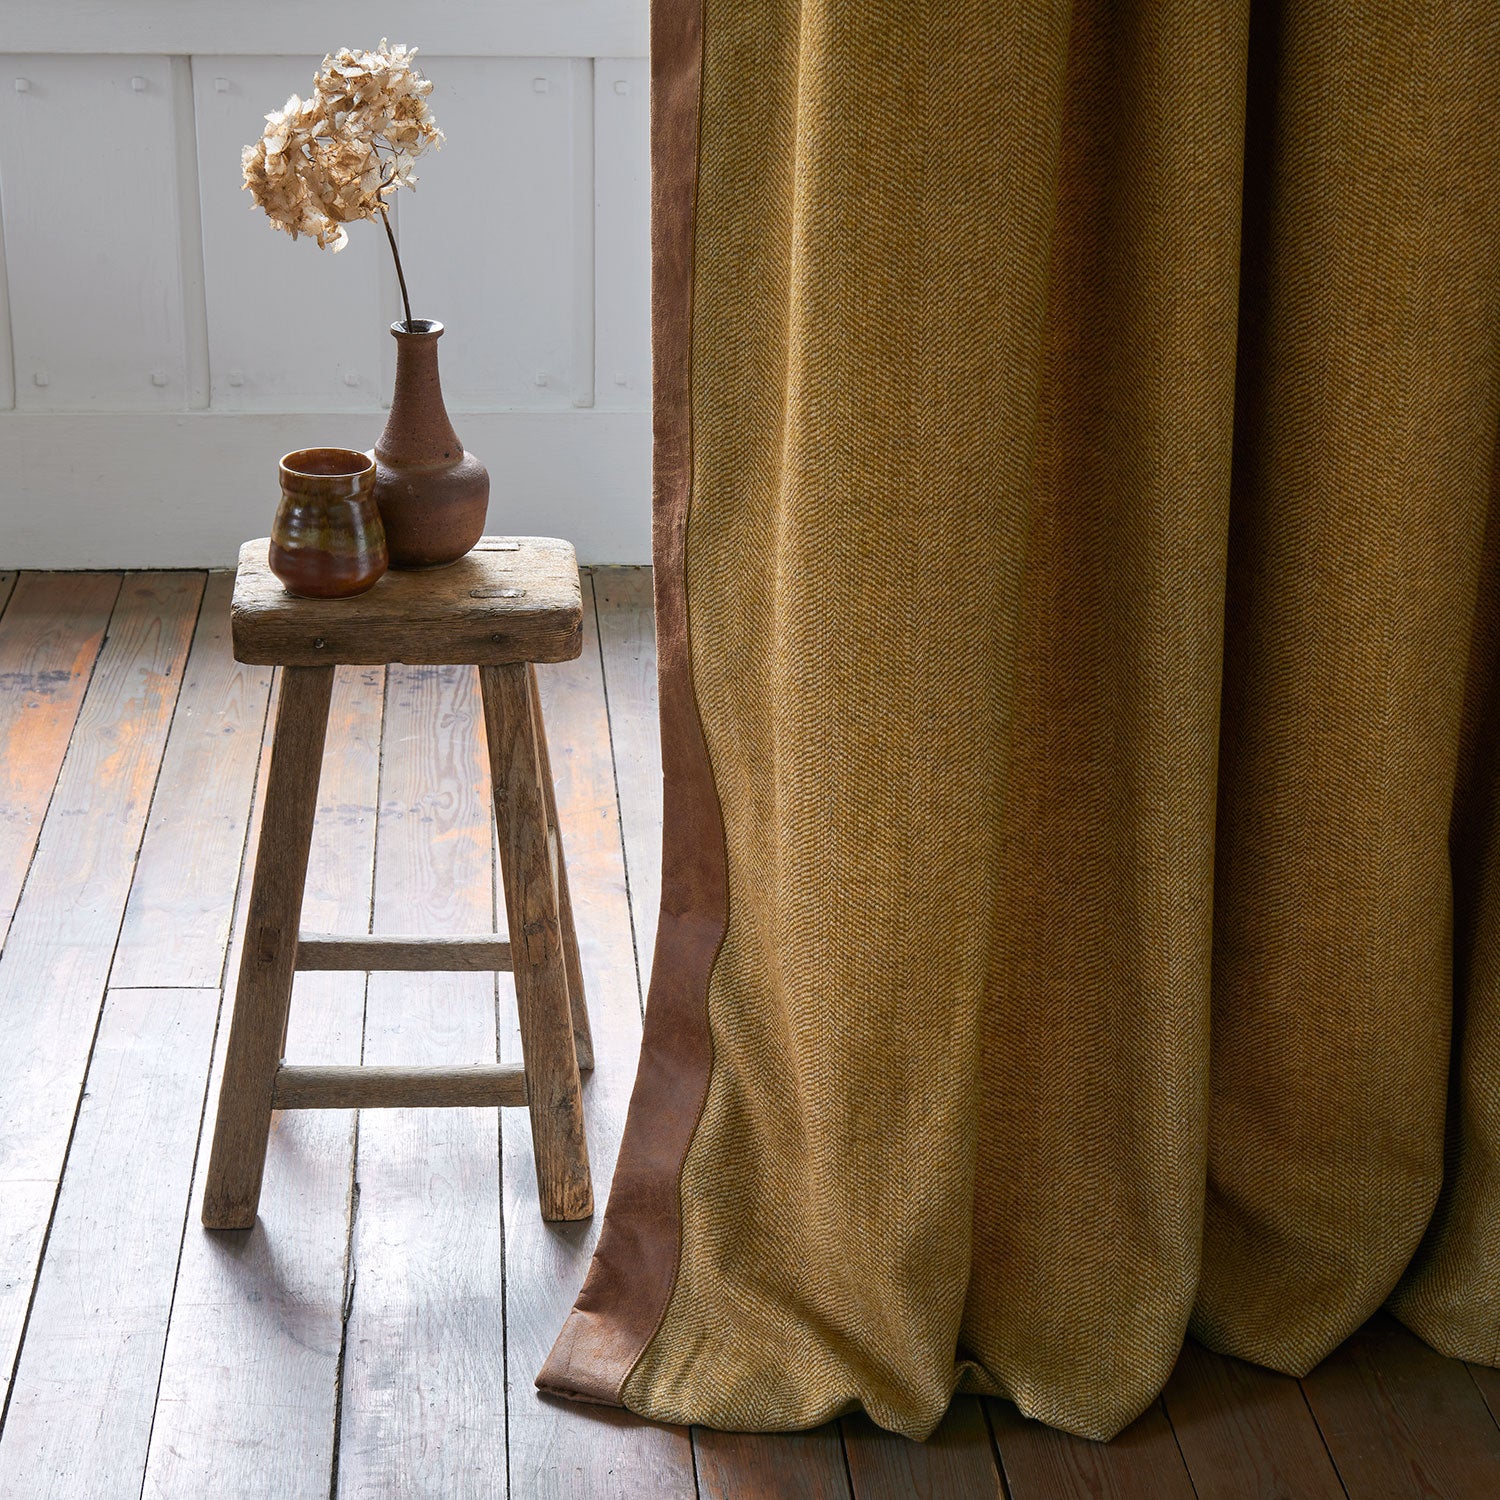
{"points": [[418, 327]]}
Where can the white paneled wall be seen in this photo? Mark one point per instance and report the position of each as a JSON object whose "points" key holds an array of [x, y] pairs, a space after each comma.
{"points": [[506, 224], [622, 259], [161, 345], [290, 327], [91, 206]]}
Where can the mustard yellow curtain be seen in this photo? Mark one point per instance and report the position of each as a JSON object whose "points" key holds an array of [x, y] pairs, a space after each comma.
{"points": [[1079, 601]]}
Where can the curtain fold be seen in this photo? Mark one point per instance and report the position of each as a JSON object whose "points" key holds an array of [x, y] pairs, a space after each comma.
{"points": [[1076, 436]]}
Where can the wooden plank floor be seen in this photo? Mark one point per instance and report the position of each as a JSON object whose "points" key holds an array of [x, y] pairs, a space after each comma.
{"points": [[376, 1333]]}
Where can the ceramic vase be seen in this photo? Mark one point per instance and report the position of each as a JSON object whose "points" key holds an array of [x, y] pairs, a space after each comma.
{"points": [[432, 495], [327, 541]]}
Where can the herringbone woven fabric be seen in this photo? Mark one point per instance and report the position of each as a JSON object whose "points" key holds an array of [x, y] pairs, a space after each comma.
{"points": [[1094, 420]]}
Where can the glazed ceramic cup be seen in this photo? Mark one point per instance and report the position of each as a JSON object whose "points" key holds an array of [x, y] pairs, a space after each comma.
{"points": [[327, 541]]}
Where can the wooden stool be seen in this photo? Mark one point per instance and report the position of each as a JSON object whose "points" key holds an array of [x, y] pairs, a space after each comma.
{"points": [[509, 603]]}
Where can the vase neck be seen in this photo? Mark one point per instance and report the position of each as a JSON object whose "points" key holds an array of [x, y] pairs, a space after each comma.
{"points": [[418, 430]]}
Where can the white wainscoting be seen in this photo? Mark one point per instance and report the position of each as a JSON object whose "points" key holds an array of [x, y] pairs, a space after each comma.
{"points": [[161, 345]]}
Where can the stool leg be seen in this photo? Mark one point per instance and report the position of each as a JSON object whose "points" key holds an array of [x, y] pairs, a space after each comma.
{"points": [[268, 960], [583, 1041], [553, 1090]]}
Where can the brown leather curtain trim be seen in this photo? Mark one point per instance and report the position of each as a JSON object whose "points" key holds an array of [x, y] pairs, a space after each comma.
{"points": [[635, 1265]]}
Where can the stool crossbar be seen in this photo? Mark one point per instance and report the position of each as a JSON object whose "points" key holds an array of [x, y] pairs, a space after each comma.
{"points": [[510, 603]]}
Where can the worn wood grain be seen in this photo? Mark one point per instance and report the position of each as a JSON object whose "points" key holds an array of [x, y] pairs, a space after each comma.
{"points": [[181, 903], [423, 1411], [958, 1459], [49, 638], [56, 959], [771, 1465], [80, 1414], [7, 584], [445, 1086], [627, 638], [1041, 1463], [249, 1385], [553, 1086], [268, 958], [420, 954], [79, 1420], [495, 605], [1400, 1420], [558, 1448], [1243, 1430]]}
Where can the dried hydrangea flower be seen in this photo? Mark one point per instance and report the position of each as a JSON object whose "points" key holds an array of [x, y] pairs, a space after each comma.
{"points": [[294, 171], [380, 97], [333, 158]]}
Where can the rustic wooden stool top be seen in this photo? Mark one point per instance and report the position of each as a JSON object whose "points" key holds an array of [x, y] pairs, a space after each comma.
{"points": [[513, 598], [511, 602]]}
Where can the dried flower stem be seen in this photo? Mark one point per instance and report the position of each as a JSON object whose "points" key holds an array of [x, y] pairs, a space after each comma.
{"points": [[385, 218]]}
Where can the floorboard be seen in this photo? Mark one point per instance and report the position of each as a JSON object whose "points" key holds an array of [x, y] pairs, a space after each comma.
{"points": [[1400, 1420], [424, 1375], [627, 639], [771, 1465], [80, 1414], [50, 635], [1488, 1381], [1041, 1463], [250, 1381], [56, 959], [79, 1421], [177, 920], [1246, 1431], [958, 1459], [560, 1448]]}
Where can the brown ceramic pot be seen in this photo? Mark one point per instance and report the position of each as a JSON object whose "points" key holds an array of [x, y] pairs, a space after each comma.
{"points": [[433, 496], [327, 541]]}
